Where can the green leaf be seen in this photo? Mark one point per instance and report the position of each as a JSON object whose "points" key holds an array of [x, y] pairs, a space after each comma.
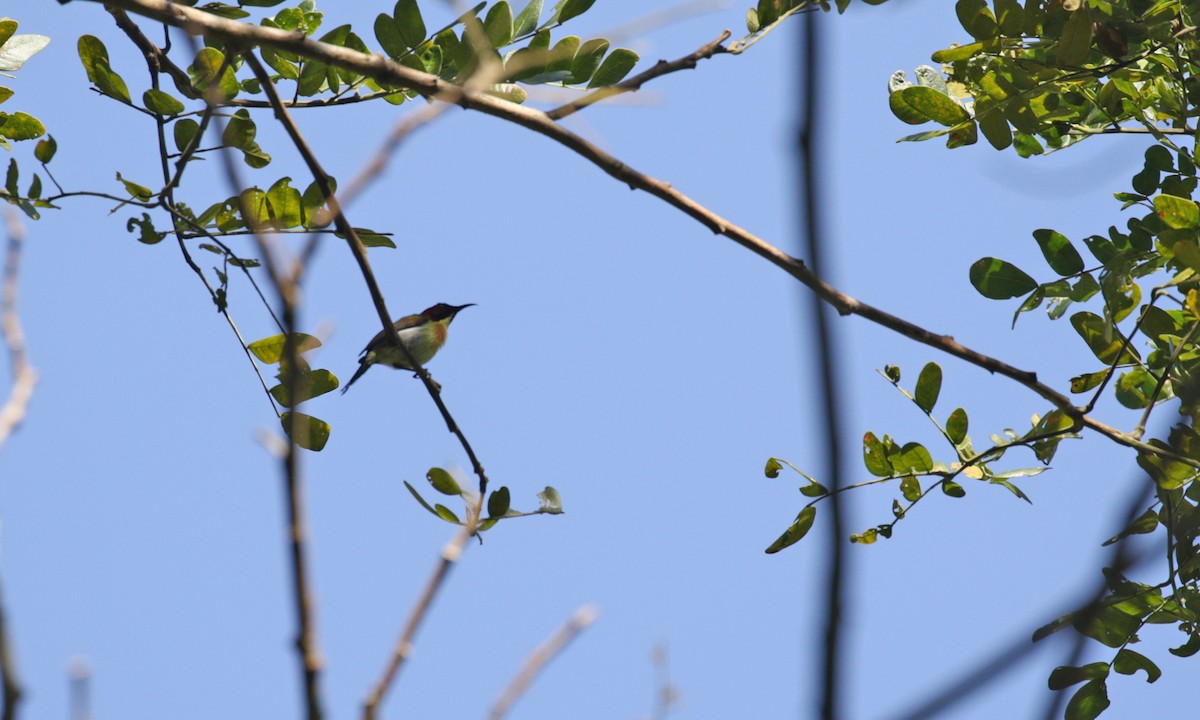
{"points": [[912, 457], [768, 12], [45, 149], [572, 8], [1146, 523], [409, 23], [953, 489], [370, 238], [550, 502], [204, 71], [796, 531], [814, 489], [910, 488], [1176, 212], [285, 206], [773, 467], [1188, 649], [976, 18], [1087, 381], [1011, 488], [587, 60], [498, 25], [916, 104], [527, 20], [420, 499], [94, 57], [614, 68], [498, 503], [1000, 280], [21, 126], [139, 192], [1065, 676], [875, 457], [959, 53], [1109, 625], [270, 349], [1076, 42], [1102, 339], [282, 63], [310, 385], [11, 177], [313, 78], [1128, 662], [389, 37], [443, 482], [929, 385], [1063, 258], [184, 131], [1088, 702], [446, 514], [157, 101], [1167, 474], [310, 433], [993, 124], [956, 426], [148, 234]]}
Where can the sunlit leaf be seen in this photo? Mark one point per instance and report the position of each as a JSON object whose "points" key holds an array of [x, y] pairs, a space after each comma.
{"points": [[796, 531]]}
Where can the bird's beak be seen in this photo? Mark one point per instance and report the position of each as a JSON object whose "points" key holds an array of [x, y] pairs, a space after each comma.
{"points": [[460, 308]]}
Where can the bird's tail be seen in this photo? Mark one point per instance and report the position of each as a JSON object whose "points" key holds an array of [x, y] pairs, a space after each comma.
{"points": [[362, 368]]}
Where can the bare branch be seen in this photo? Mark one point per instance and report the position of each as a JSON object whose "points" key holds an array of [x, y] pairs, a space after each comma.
{"points": [[452, 551], [24, 379], [306, 635], [11, 687], [24, 376], [540, 658]]}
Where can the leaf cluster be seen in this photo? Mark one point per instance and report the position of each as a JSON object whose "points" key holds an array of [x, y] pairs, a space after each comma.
{"points": [[1045, 74], [498, 503], [910, 463]]}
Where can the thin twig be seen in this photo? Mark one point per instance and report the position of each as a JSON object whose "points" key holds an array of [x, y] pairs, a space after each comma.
{"points": [[155, 57], [662, 67], [24, 379], [450, 554], [379, 159], [306, 637], [540, 658], [360, 255], [389, 73], [24, 376], [830, 408], [11, 687]]}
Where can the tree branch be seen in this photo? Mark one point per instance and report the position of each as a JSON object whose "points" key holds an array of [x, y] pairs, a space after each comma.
{"points": [[24, 376], [403, 649], [360, 255], [389, 73], [635, 83], [24, 379], [539, 658]]}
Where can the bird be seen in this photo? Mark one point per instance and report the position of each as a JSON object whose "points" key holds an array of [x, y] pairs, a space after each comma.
{"points": [[423, 334]]}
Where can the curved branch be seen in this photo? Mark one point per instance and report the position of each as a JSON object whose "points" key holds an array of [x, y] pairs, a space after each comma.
{"points": [[387, 72]]}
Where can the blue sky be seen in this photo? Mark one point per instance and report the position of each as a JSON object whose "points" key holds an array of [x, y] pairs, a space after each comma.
{"points": [[619, 352]]}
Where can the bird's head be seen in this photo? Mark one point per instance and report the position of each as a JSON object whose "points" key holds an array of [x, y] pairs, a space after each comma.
{"points": [[445, 312]]}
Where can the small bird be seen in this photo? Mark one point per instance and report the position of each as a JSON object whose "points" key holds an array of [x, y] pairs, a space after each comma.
{"points": [[423, 334]]}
